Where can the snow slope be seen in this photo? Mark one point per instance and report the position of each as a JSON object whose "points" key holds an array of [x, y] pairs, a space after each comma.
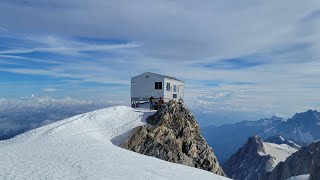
{"points": [[84, 147], [300, 177], [279, 152]]}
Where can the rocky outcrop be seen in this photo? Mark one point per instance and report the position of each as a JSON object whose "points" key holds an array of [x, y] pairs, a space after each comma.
{"points": [[247, 163], [172, 134], [304, 161]]}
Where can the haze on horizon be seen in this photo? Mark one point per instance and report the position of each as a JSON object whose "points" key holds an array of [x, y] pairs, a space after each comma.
{"points": [[239, 59]]}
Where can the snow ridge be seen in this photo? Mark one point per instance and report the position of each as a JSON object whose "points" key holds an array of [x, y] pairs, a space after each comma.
{"points": [[84, 147]]}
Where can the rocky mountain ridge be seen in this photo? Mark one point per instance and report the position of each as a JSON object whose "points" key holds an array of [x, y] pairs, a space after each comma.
{"points": [[172, 134]]}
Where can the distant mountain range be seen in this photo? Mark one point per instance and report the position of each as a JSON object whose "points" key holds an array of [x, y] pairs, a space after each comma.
{"points": [[302, 129]]}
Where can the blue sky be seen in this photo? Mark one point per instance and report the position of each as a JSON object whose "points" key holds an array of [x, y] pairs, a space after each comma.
{"points": [[240, 60]]}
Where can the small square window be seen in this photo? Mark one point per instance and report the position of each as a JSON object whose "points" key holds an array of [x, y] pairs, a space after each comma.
{"points": [[158, 85], [174, 96]]}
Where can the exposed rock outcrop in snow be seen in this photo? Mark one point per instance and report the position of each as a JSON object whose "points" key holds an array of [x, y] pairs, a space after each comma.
{"points": [[173, 135], [82, 147]]}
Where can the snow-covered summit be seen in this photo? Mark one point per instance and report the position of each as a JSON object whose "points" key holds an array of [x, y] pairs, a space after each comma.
{"points": [[85, 147]]}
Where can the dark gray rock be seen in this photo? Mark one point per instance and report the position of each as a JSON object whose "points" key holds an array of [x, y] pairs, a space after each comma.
{"points": [[315, 170], [173, 135]]}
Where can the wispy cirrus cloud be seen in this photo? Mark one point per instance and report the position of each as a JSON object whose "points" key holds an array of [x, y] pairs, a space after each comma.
{"points": [[3, 29], [26, 58], [51, 44]]}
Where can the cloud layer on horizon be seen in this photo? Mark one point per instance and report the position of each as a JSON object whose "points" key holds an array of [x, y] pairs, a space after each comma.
{"points": [[23, 114]]}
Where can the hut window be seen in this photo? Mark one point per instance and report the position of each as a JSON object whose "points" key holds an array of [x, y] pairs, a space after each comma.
{"points": [[174, 96], [158, 85], [174, 88], [168, 87]]}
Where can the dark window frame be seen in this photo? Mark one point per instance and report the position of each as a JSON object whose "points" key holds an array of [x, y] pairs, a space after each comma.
{"points": [[168, 87], [158, 85]]}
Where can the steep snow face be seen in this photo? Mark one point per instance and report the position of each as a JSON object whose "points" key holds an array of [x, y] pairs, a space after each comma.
{"points": [[84, 147], [279, 152]]}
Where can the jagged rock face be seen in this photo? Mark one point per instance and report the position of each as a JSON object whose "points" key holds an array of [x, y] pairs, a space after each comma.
{"points": [[172, 134], [247, 163], [304, 161]]}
